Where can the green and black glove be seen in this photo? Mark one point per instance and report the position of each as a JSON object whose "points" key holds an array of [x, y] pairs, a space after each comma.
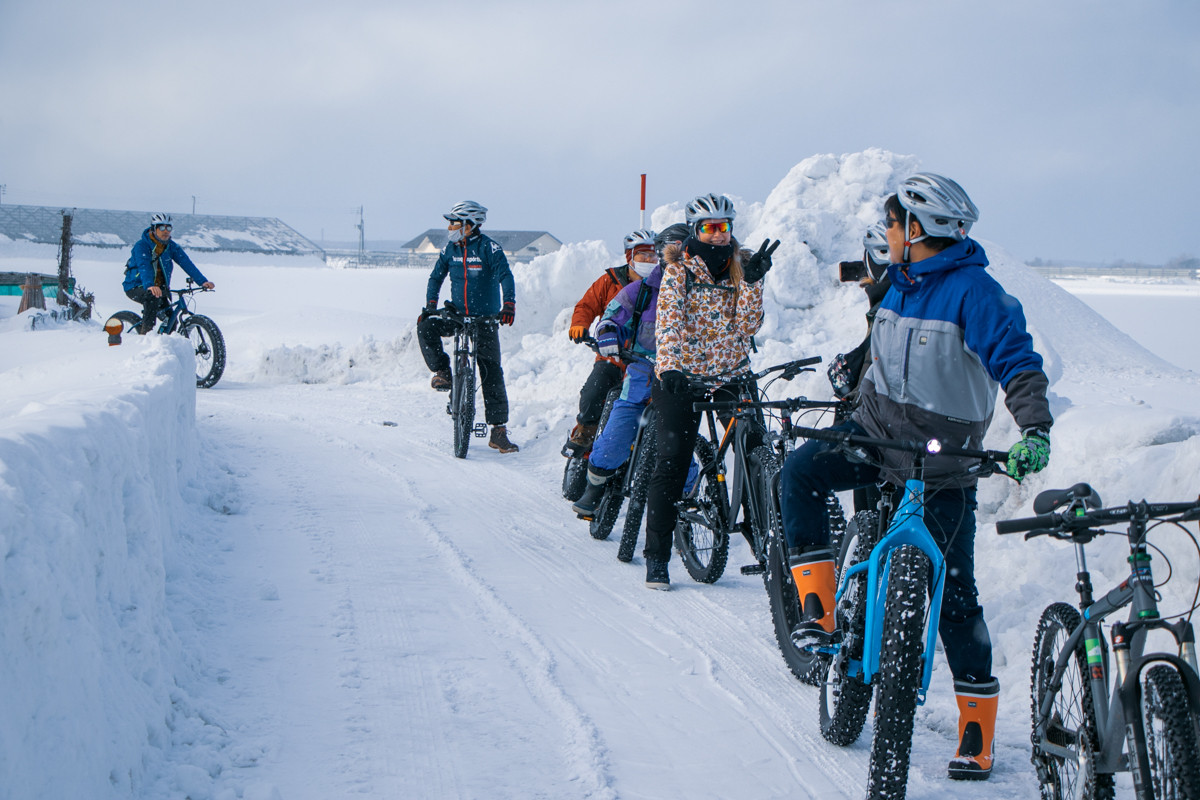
{"points": [[1029, 455]]}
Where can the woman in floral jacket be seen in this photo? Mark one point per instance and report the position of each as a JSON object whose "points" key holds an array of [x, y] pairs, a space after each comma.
{"points": [[709, 307]]}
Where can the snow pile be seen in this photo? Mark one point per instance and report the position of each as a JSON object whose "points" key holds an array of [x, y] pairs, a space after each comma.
{"points": [[98, 476]]}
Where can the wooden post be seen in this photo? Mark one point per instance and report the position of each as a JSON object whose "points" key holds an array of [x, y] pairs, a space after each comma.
{"points": [[64, 260], [31, 294]]}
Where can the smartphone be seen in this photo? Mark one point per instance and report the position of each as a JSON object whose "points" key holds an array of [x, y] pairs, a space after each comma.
{"points": [[851, 271]]}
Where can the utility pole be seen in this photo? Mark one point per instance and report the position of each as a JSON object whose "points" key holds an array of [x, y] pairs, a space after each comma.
{"points": [[362, 241], [3, 189], [193, 205]]}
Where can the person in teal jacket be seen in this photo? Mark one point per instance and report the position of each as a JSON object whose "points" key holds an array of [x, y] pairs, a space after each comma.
{"points": [[148, 271], [478, 272]]}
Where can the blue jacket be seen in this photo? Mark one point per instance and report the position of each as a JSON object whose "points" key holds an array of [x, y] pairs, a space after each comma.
{"points": [[140, 268], [945, 337], [478, 270]]}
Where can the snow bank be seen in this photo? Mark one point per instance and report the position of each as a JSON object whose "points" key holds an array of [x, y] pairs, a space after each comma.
{"points": [[98, 455]]}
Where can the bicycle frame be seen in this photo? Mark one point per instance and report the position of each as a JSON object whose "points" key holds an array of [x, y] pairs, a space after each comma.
{"points": [[465, 358], [907, 526], [1121, 742]]}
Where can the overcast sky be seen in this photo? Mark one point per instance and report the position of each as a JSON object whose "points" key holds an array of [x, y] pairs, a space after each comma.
{"points": [[1073, 125]]}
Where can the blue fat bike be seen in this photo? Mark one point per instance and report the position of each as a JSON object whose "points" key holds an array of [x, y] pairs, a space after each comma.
{"points": [[891, 573], [178, 317]]}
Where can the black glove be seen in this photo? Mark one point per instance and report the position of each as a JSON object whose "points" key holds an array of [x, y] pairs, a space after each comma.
{"points": [[759, 264], [509, 314], [430, 308], [674, 382]]}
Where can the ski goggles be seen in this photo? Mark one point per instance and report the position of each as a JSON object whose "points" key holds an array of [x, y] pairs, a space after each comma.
{"points": [[715, 226]]}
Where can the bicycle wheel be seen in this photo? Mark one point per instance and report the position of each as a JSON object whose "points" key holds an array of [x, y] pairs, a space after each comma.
{"points": [[704, 548], [206, 337], [608, 508], [131, 320], [1072, 722], [1170, 735], [899, 678], [463, 388], [845, 698], [642, 466], [574, 480]]}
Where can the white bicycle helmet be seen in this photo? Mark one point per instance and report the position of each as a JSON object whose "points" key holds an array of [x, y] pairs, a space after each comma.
{"points": [[709, 206], [875, 245], [639, 238], [939, 204], [467, 211], [160, 219]]}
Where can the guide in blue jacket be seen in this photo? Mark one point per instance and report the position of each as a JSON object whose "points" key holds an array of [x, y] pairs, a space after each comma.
{"points": [[945, 338], [148, 271], [478, 271]]}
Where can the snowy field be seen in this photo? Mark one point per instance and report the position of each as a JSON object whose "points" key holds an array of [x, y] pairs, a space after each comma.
{"points": [[286, 588]]}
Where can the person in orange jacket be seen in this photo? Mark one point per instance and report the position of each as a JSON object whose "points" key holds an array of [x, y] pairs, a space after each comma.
{"points": [[607, 372]]}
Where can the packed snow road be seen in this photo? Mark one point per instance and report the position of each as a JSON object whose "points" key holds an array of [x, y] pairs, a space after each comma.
{"points": [[406, 624]]}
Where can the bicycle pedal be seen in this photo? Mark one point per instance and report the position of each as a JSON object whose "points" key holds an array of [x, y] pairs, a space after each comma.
{"points": [[449, 410], [480, 430], [753, 569], [571, 450], [587, 518]]}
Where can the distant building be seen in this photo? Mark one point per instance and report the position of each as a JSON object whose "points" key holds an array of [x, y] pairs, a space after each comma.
{"points": [[517, 245], [93, 227]]}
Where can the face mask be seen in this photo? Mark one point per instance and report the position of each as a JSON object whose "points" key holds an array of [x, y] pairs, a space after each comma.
{"points": [[643, 268], [455, 236]]}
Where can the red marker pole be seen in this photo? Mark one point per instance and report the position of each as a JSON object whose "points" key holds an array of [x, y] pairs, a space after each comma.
{"points": [[643, 223]]}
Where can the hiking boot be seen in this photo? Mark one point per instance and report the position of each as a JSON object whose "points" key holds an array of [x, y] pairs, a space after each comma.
{"points": [[812, 572], [441, 380], [976, 728], [582, 436], [499, 440], [657, 576]]}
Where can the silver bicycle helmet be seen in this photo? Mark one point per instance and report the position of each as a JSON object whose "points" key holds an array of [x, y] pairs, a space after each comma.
{"points": [[467, 211], [875, 245], [939, 204], [639, 238], [160, 219], [709, 206]]}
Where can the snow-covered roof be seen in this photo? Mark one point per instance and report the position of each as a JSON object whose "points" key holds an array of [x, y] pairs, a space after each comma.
{"points": [[511, 241], [105, 228]]}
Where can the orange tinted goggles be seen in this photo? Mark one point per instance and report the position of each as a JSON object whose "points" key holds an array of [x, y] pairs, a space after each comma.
{"points": [[716, 226]]}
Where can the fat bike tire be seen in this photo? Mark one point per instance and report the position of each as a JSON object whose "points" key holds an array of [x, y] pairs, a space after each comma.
{"points": [[900, 667], [643, 468], [209, 345], [702, 549], [1072, 722], [845, 698]]}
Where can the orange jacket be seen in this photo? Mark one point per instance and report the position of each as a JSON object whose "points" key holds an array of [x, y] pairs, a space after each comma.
{"points": [[591, 306]]}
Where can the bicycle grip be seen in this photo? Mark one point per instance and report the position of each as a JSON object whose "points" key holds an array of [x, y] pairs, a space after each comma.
{"points": [[1027, 523]]}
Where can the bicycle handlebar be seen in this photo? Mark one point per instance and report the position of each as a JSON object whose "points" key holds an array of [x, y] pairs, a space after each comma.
{"points": [[622, 353], [933, 447], [791, 404], [450, 312], [1066, 524]]}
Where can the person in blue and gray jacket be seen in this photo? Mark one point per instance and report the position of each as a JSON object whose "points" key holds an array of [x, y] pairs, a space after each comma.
{"points": [[945, 337], [478, 271], [148, 271]]}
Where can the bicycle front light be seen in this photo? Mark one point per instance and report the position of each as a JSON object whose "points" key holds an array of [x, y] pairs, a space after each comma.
{"points": [[933, 447]]}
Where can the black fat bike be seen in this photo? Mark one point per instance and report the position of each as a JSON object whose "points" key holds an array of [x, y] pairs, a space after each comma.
{"points": [[461, 405], [1146, 724], [178, 317]]}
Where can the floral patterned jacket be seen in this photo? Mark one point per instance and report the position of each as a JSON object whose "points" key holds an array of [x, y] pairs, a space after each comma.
{"points": [[704, 328]]}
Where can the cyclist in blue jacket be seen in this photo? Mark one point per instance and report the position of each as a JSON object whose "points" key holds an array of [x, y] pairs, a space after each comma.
{"points": [[478, 271], [148, 270], [944, 338]]}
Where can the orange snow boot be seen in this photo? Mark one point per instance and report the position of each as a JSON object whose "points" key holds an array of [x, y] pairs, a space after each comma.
{"points": [[977, 704], [812, 572]]}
